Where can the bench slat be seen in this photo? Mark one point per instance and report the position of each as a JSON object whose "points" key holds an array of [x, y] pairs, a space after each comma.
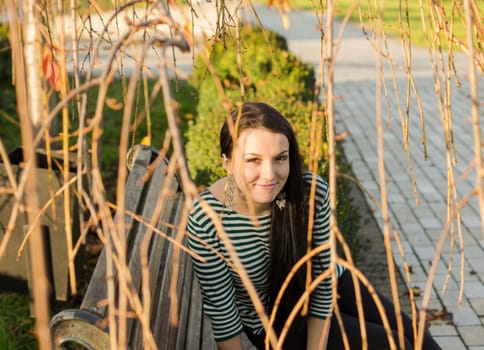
{"points": [[156, 251], [97, 288], [160, 320]]}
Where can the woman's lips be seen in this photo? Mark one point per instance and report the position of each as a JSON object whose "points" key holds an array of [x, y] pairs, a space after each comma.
{"points": [[267, 187]]}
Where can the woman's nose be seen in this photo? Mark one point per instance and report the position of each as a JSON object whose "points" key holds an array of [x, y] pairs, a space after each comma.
{"points": [[267, 171]]}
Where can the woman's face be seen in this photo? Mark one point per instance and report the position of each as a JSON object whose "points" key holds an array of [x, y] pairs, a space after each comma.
{"points": [[260, 166]]}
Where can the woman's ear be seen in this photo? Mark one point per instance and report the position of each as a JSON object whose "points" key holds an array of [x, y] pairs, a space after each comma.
{"points": [[226, 163]]}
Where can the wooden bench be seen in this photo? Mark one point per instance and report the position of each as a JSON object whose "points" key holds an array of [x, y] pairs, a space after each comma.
{"points": [[87, 326]]}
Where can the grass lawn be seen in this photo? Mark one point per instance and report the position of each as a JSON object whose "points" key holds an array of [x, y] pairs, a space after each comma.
{"points": [[142, 124], [15, 323], [391, 16]]}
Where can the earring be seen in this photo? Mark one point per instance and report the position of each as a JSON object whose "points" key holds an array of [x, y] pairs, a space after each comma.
{"points": [[229, 191], [281, 200]]}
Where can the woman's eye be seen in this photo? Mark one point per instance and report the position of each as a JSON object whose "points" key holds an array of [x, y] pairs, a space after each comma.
{"points": [[282, 158], [252, 160]]}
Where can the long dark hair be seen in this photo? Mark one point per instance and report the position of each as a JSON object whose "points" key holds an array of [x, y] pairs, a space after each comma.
{"points": [[288, 238]]}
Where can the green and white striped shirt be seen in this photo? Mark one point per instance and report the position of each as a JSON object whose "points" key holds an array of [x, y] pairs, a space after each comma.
{"points": [[225, 299]]}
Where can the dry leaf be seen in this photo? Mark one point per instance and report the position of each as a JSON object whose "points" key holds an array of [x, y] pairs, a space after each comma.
{"points": [[443, 315], [146, 141], [114, 104], [50, 68], [416, 291]]}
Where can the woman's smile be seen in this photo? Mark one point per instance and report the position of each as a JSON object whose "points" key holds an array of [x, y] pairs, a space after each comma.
{"points": [[267, 187], [260, 167]]}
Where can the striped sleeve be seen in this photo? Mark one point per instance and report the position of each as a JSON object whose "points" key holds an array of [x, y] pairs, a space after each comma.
{"points": [[213, 276], [322, 297]]}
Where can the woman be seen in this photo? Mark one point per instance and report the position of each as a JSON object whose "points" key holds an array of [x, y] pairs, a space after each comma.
{"points": [[263, 205]]}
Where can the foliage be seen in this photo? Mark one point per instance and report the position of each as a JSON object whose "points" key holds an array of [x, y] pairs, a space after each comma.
{"points": [[141, 124], [9, 122], [112, 119], [16, 325], [270, 73], [5, 54]]}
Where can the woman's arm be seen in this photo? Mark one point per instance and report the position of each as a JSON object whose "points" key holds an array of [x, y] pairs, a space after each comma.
{"points": [[315, 334], [322, 297], [213, 275], [234, 343]]}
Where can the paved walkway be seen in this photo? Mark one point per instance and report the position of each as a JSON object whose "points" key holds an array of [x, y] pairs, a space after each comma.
{"points": [[419, 226]]}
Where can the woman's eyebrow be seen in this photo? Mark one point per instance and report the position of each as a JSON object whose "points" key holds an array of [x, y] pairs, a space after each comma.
{"points": [[257, 154]]}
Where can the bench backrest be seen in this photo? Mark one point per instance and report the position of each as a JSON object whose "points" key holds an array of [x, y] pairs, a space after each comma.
{"points": [[155, 197]]}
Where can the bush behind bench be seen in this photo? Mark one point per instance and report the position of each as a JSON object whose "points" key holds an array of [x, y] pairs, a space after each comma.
{"points": [[272, 74]]}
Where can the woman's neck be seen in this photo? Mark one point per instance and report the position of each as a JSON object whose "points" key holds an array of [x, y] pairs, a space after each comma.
{"points": [[244, 206]]}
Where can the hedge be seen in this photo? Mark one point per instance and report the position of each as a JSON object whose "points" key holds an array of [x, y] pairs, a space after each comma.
{"points": [[5, 54], [272, 74]]}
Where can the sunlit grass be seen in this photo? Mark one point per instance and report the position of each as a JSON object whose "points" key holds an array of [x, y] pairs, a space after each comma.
{"points": [[401, 18]]}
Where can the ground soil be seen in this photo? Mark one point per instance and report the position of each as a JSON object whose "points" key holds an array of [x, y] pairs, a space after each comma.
{"points": [[372, 258]]}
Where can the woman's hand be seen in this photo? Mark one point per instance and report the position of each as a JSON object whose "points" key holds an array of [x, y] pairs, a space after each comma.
{"points": [[234, 343], [315, 334]]}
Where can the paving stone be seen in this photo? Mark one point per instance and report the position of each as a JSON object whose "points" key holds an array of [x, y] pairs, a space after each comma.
{"points": [[473, 251], [472, 335], [445, 280], [478, 305], [450, 343], [434, 235], [474, 236], [477, 264], [420, 239], [441, 266], [425, 252], [480, 240], [432, 222], [418, 275], [470, 276], [464, 316], [433, 304], [474, 289], [454, 257], [439, 330], [451, 297], [450, 247], [474, 221]]}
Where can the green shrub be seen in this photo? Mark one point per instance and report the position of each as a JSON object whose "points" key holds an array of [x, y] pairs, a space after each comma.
{"points": [[5, 54], [270, 73]]}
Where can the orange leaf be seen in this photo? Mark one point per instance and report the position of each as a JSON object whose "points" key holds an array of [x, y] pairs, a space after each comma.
{"points": [[51, 69], [114, 104]]}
